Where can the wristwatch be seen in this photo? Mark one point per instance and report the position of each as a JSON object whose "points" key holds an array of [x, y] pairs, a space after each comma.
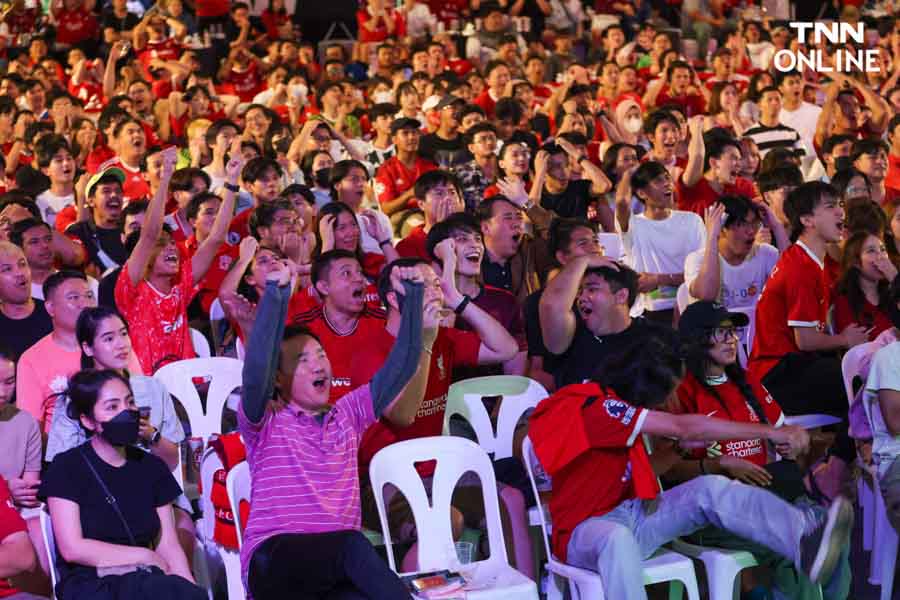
{"points": [[231, 187], [462, 305], [154, 440]]}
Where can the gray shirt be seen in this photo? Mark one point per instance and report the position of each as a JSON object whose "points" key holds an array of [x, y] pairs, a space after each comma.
{"points": [[66, 433]]}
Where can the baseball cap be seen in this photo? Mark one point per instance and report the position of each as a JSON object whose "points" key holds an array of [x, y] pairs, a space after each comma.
{"points": [[449, 100], [405, 123], [104, 176], [704, 315], [431, 103]]}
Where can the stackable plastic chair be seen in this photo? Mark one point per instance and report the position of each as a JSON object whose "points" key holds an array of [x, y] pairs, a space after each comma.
{"points": [[50, 548], [455, 456], [663, 566], [238, 486]]}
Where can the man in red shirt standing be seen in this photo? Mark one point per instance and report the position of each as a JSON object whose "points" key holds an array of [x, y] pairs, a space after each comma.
{"points": [[75, 24], [395, 177], [680, 78], [607, 510], [201, 214]]}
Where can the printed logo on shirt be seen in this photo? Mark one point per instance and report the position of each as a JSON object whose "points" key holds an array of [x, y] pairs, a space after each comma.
{"points": [[432, 406], [440, 365], [225, 262], [234, 238], [340, 382], [379, 189], [170, 326], [615, 408]]}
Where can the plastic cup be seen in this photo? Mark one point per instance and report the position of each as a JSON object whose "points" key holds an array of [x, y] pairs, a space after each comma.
{"points": [[465, 551]]}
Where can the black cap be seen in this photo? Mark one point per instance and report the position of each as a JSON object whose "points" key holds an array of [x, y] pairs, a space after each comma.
{"points": [[449, 100], [704, 315], [488, 8], [405, 123]]}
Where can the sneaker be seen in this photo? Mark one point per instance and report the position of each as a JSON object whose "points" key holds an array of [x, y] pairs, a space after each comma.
{"points": [[821, 547]]}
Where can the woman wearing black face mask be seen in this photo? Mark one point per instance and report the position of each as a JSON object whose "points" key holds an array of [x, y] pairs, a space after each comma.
{"points": [[316, 166], [111, 504]]}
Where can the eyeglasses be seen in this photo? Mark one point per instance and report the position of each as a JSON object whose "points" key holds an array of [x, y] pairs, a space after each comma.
{"points": [[723, 334]]}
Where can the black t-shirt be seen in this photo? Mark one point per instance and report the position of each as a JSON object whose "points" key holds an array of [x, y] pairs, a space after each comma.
{"points": [[140, 486], [98, 238], [127, 23], [579, 361], [496, 274], [572, 202], [447, 154], [21, 334], [107, 291]]}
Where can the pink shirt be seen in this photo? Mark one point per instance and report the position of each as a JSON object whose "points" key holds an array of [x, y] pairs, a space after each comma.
{"points": [[43, 373], [304, 472]]}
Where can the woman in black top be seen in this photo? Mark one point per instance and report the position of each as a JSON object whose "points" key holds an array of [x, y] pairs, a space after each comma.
{"points": [[126, 548]]}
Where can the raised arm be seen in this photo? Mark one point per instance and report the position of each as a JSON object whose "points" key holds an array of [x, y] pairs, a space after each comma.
{"points": [[117, 52], [497, 345], [153, 222], [696, 151], [708, 283], [600, 184], [264, 345], [399, 385], [206, 253], [623, 199]]}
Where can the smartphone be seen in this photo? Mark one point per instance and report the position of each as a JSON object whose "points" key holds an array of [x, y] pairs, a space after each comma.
{"points": [[144, 412]]}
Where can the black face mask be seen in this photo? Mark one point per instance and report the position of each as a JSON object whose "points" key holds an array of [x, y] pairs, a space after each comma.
{"points": [[122, 430], [323, 177]]}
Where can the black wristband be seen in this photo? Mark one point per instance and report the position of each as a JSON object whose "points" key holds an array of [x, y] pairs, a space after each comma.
{"points": [[462, 305], [383, 242], [231, 187]]}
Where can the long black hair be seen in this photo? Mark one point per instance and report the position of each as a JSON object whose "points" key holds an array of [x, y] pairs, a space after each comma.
{"points": [[84, 389], [695, 350], [86, 329]]}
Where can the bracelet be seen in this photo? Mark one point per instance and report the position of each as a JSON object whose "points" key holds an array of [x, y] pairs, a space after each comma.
{"points": [[702, 467], [231, 187], [382, 243], [462, 305], [581, 158]]}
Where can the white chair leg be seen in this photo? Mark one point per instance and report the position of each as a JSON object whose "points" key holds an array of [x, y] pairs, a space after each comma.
{"points": [[693, 591], [887, 562], [722, 582], [867, 504]]}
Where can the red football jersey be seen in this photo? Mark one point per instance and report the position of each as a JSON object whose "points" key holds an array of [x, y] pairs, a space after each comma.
{"points": [[731, 405], [452, 349], [393, 179], [701, 195], [135, 186], [76, 26], [795, 295], [209, 285]]}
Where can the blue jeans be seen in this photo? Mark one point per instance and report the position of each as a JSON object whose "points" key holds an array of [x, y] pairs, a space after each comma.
{"points": [[615, 544]]}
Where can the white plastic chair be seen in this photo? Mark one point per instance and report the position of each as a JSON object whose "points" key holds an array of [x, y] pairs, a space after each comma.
{"points": [[395, 464], [587, 585], [682, 298], [201, 344], [612, 245], [50, 548], [519, 395], [224, 376], [238, 486], [850, 368], [231, 559]]}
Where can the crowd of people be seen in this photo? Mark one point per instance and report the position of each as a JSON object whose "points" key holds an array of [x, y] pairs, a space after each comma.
{"points": [[623, 200]]}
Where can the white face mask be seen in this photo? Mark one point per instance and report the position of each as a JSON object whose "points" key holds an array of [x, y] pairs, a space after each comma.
{"points": [[633, 124], [382, 97], [299, 90]]}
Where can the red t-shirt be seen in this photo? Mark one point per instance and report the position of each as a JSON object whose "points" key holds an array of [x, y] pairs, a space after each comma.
{"points": [[381, 33], [393, 179], [158, 323], [796, 295], [166, 49], [75, 26], [413, 245], [587, 440], [701, 195], [892, 180], [135, 186], [731, 405], [209, 285], [212, 8], [91, 93], [486, 103], [272, 21], [245, 84], [10, 523], [691, 104], [98, 156], [870, 316], [351, 367], [239, 228], [447, 10], [452, 349]]}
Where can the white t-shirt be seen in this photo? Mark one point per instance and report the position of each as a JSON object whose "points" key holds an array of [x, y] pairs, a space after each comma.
{"points": [[50, 205], [740, 284], [884, 375], [661, 247]]}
